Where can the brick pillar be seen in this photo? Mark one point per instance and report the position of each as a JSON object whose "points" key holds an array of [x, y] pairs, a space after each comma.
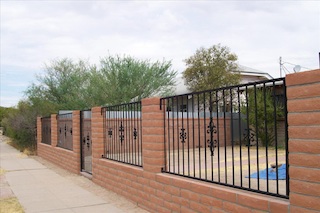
{"points": [[303, 93], [54, 130], [39, 130], [152, 135], [97, 137], [76, 137]]}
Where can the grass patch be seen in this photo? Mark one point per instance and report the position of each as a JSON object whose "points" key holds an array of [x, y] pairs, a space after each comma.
{"points": [[2, 171], [25, 150], [10, 205]]}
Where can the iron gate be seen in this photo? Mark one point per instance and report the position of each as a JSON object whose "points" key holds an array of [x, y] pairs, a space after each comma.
{"points": [[86, 141], [65, 131], [46, 130]]}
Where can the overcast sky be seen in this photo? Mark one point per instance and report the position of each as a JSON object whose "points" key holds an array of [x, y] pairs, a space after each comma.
{"points": [[259, 32]]}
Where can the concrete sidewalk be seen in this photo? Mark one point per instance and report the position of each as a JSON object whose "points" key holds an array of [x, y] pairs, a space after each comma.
{"points": [[41, 189]]}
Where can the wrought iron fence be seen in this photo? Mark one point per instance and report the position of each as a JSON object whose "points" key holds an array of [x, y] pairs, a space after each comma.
{"points": [[234, 136], [46, 130], [122, 133], [65, 131]]}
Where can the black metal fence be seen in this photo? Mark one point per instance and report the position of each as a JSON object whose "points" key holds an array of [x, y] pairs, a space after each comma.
{"points": [[65, 131], [122, 133], [46, 130], [234, 136]]}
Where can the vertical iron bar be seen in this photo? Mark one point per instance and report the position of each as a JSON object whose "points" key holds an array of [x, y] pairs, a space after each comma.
{"points": [[286, 135], [138, 117], [173, 137], [168, 119], [178, 143], [193, 146], [232, 138], [164, 108], [125, 128], [182, 97], [117, 130], [112, 118], [132, 126], [205, 135], [218, 136], [187, 102], [275, 133], [225, 138], [211, 132], [256, 127], [248, 133], [240, 133], [199, 139], [266, 132]]}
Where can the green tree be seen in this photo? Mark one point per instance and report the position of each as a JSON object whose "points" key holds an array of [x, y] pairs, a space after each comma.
{"points": [[5, 111], [126, 79], [63, 85], [262, 112], [211, 68], [70, 85], [20, 125]]}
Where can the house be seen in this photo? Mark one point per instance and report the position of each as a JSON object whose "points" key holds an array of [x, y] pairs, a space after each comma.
{"points": [[247, 75], [229, 105]]}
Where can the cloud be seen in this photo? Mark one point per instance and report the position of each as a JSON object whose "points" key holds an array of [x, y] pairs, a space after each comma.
{"points": [[259, 32]]}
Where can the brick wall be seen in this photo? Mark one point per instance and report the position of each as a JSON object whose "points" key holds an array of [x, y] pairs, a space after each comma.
{"points": [[303, 91], [160, 192], [67, 159]]}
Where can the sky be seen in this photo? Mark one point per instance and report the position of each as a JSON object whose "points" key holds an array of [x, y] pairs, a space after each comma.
{"points": [[33, 33]]}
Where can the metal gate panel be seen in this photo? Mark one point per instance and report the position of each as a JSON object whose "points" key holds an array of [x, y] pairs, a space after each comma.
{"points": [[86, 141], [46, 130], [65, 131]]}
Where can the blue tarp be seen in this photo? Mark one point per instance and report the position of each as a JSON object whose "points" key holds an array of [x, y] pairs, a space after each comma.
{"points": [[272, 173]]}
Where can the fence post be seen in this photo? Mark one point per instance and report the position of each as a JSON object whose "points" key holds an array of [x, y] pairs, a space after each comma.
{"points": [[54, 130], [153, 155], [76, 137], [39, 130], [97, 137], [303, 94]]}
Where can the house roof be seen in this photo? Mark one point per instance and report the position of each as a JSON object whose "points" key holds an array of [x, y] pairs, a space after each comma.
{"points": [[181, 88], [253, 72]]}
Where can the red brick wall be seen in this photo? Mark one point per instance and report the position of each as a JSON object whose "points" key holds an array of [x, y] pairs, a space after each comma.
{"points": [[66, 159], [303, 91], [160, 192]]}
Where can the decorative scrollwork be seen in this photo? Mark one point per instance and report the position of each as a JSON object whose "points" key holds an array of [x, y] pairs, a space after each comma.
{"points": [[249, 137], [88, 137], [212, 129], [110, 132], [135, 133], [121, 130], [183, 135]]}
